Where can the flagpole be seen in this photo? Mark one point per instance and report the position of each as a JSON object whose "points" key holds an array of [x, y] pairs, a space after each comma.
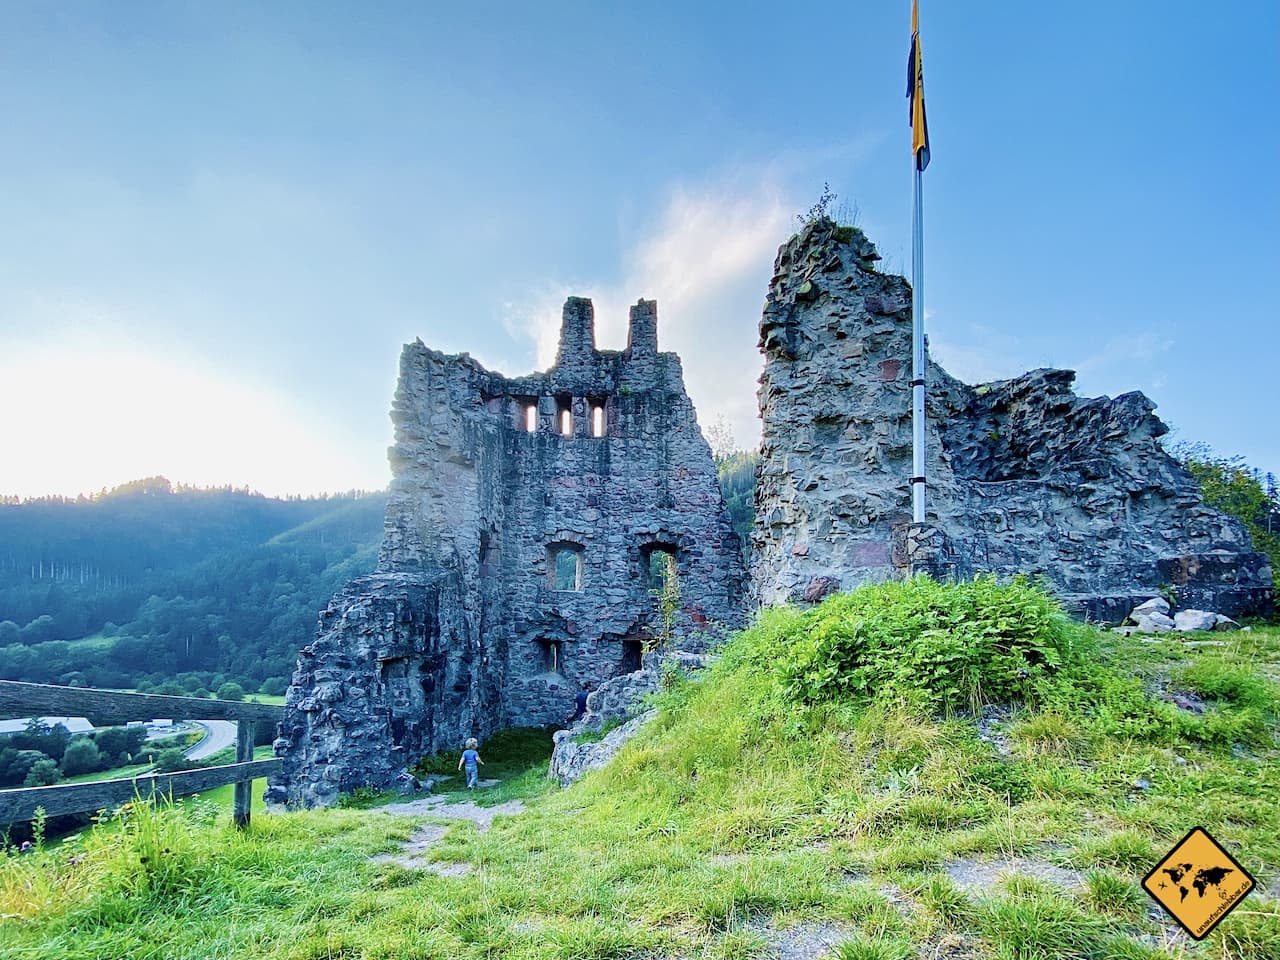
{"points": [[919, 160], [917, 347]]}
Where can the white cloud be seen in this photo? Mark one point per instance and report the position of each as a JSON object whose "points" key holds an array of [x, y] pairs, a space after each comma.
{"points": [[707, 261], [94, 412]]}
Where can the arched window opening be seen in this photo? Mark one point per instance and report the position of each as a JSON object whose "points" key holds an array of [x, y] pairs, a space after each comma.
{"points": [[564, 566], [632, 655], [550, 654], [564, 415], [597, 421]]}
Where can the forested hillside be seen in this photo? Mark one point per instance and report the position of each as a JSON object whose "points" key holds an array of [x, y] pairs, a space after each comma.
{"points": [[178, 589], [737, 473]]}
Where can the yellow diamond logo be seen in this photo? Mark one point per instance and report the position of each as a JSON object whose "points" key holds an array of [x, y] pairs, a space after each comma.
{"points": [[1198, 883]]}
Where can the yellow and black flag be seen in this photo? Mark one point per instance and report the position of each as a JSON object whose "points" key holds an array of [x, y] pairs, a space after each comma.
{"points": [[915, 93]]}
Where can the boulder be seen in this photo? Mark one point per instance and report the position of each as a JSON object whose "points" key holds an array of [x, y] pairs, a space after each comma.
{"points": [[1153, 623], [1188, 621], [571, 759], [1155, 605], [1224, 623], [820, 587]]}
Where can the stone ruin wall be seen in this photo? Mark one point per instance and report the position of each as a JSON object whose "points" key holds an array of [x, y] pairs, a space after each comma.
{"points": [[1023, 475], [462, 630]]}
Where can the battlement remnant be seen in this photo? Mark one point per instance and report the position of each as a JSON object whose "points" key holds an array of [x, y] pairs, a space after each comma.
{"points": [[531, 524], [1023, 475]]}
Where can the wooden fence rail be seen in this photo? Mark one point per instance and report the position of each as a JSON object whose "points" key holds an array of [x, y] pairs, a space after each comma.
{"points": [[106, 707]]}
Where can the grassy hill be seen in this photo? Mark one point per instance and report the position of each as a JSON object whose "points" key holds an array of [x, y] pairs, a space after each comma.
{"points": [[907, 771]]}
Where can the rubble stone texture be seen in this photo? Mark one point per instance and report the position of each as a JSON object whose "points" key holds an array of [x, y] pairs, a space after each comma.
{"points": [[1023, 475], [518, 557]]}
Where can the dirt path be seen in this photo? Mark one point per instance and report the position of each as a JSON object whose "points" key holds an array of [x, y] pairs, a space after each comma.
{"points": [[417, 847]]}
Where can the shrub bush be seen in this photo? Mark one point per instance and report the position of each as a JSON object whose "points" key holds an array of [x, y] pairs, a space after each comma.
{"points": [[82, 756], [43, 773], [945, 645]]}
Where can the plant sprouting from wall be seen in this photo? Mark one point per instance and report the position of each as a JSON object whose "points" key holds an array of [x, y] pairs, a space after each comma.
{"points": [[668, 595]]}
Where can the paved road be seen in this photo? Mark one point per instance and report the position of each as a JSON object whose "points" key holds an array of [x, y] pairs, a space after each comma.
{"points": [[219, 734]]}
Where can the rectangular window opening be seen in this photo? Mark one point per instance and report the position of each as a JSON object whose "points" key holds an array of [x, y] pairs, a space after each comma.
{"points": [[531, 418], [550, 653], [660, 568], [564, 414], [564, 566]]}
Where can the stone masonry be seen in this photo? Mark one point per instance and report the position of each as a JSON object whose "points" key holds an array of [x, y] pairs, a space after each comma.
{"points": [[532, 523], [1023, 475]]}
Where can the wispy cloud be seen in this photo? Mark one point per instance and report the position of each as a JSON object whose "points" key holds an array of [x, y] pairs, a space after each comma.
{"points": [[706, 259], [1122, 363], [1143, 348]]}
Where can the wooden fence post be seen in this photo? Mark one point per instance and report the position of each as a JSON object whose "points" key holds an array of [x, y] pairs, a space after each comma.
{"points": [[244, 788]]}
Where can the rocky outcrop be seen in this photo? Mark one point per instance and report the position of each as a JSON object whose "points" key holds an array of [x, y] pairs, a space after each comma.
{"points": [[572, 758], [531, 524], [1023, 475], [618, 700]]}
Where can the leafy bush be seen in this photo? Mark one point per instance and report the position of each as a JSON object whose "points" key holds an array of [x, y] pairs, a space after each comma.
{"points": [[43, 773], [274, 686], [946, 645], [14, 772], [173, 760], [361, 798], [82, 756]]}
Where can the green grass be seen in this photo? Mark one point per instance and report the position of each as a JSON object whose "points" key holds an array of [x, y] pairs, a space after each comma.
{"points": [[738, 811], [116, 773], [517, 758]]}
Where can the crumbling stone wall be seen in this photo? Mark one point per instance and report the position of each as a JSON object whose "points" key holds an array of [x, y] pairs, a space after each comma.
{"points": [[516, 562], [1023, 475]]}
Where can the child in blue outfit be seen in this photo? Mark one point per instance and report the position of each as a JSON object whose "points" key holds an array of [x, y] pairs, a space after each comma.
{"points": [[470, 757]]}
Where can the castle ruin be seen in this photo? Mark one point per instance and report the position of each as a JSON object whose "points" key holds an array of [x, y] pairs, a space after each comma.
{"points": [[536, 524]]}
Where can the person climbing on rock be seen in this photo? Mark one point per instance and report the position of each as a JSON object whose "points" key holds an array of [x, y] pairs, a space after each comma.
{"points": [[471, 758], [580, 701]]}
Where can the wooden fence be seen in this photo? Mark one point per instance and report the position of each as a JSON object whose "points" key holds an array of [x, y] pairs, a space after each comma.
{"points": [[106, 708]]}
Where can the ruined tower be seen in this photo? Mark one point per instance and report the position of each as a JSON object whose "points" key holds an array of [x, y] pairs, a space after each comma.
{"points": [[1024, 476], [533, 525]]}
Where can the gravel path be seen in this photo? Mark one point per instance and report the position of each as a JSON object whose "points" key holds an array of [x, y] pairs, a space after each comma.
{"points": [[413, 856]]}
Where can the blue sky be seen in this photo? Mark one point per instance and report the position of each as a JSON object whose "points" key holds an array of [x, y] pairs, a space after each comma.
{"points": [[221, 221]]}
